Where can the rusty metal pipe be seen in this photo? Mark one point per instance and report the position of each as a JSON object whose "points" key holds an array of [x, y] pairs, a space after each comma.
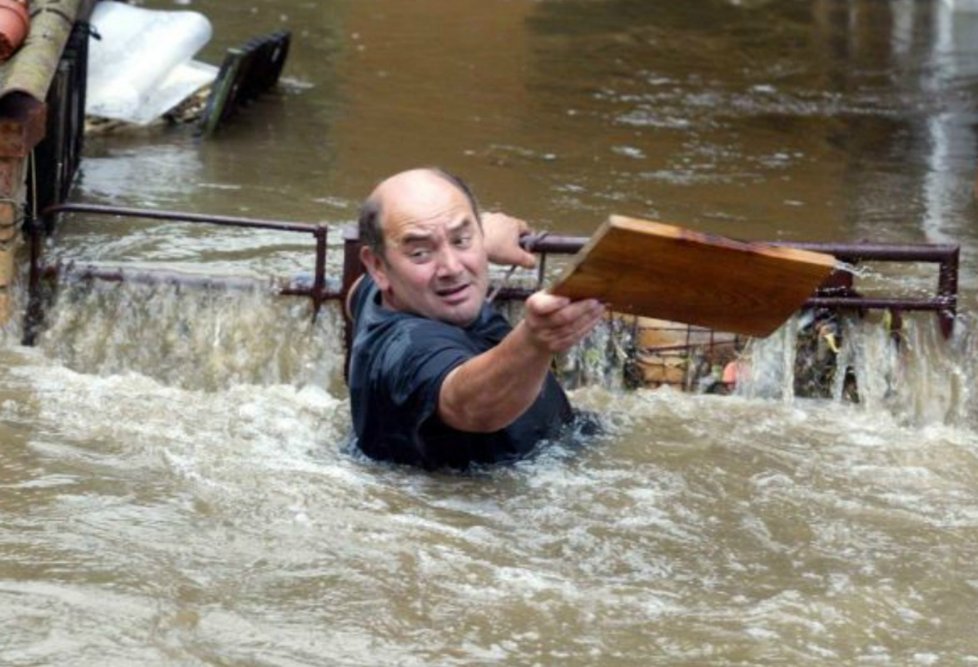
{"points": [[888, 252], [881, 252], [319, 277], [547, 243], [936, 303], [183, 216]]}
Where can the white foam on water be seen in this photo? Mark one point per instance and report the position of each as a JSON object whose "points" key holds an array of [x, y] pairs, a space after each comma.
{"points": [[909, 372], [758, 525], [197, 338]]}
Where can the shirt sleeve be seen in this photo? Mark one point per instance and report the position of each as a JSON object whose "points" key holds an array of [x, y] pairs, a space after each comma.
{"points": [[418, 362]]}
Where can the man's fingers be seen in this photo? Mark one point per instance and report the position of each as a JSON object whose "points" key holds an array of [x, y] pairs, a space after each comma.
{"points": [[581, 325], [502, 239], [544, 303], [558, 323], [526, 259]]}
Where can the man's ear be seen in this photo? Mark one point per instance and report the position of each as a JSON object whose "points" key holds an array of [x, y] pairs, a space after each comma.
{"points": [[376, 267]]}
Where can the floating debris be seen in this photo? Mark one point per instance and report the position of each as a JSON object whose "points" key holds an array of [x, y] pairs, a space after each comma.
{"points": [[140, 61], [142, 73]]}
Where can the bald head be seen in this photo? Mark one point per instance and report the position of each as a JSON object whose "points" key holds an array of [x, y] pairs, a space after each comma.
{"points": [[411, 189]]}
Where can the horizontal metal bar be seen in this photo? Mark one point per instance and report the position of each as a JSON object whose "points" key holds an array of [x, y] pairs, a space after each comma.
{"points": [[887, 252], [552, 243], [893, 252], [157, 276], [183, 216], [936, 303], [542, 242]]}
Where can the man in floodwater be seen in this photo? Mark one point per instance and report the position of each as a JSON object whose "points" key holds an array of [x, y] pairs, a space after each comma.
{"points": [[437, 377]]}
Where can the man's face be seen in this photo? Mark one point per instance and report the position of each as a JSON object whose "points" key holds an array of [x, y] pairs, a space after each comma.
{"points": [[435, 261]]}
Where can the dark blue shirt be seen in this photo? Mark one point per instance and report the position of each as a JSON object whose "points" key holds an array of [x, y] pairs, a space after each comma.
{"points": [[397, 366]]}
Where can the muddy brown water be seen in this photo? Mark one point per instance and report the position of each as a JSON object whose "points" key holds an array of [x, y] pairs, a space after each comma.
{"points": [[173, 489]]}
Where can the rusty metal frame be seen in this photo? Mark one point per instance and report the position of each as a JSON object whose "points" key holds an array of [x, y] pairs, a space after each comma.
{"points": [[318, 291], [836, 293]]}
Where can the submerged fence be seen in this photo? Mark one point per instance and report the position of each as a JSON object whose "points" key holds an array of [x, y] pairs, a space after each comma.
{"points": [[838, 293]]}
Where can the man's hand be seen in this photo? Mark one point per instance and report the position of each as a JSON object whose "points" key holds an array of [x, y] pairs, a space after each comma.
{"points": [[555, 323], [502, 240]]}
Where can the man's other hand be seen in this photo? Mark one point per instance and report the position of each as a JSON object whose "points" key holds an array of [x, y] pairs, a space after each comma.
{"points": [[502, 240]]}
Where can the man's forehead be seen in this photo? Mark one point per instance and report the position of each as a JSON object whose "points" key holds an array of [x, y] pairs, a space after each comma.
{"points": [[412, 228], [423, 199], [406, 229]]}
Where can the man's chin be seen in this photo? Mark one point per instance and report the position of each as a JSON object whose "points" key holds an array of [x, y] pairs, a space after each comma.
{"points": [[461, 316], [462, 312], [459, 320]]}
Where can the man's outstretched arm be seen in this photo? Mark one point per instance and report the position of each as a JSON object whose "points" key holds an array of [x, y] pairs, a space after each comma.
{"points": [[492, 390]]}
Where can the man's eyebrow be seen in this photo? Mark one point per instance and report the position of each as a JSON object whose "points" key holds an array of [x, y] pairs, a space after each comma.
{"points": [[415, 236], [461, 224]]}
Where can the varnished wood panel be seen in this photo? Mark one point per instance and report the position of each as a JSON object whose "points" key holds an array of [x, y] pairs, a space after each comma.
{"points": [[657, 270]]}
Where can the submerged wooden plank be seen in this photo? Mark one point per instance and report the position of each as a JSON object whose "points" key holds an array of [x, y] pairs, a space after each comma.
{"points": [[657, 270], [245, 73]]}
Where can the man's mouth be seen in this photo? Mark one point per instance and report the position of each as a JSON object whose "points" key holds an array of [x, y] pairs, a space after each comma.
{"points": [[453, 293]]}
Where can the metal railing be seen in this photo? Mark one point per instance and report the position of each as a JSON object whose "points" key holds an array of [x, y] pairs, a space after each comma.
{"points": [[837, 292]]}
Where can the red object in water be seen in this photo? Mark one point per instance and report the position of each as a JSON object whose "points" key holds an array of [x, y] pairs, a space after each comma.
{"points": [[15, 21], [732, 372]]}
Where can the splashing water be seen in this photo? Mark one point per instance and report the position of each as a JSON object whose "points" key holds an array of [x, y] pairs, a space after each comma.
{"points": [[855, 270], [212, 339], [207, 339], [182, 436], [909, 371]]}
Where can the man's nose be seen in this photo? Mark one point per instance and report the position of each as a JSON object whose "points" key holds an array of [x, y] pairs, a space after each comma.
{"points": [[449, 262]]}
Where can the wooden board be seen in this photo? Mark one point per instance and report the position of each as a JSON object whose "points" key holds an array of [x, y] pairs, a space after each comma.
{"points": [[657, 270]]}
